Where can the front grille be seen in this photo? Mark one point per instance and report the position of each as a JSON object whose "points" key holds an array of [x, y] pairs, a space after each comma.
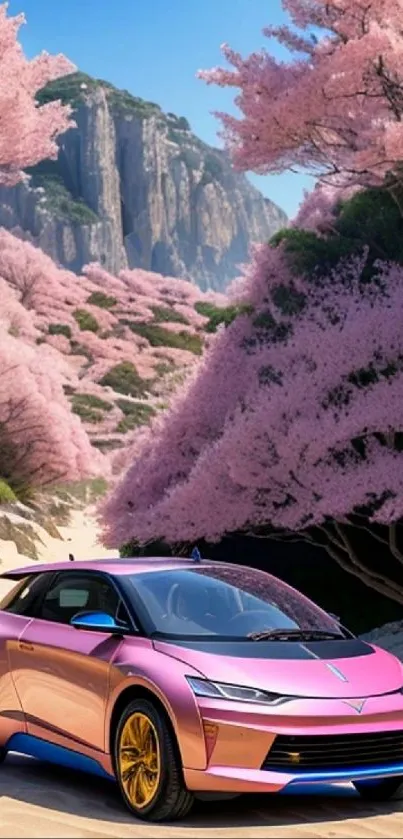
{"points": [[336, 751]]}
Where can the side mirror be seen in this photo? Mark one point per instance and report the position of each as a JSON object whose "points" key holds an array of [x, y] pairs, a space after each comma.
{"points": [[98, 622]]}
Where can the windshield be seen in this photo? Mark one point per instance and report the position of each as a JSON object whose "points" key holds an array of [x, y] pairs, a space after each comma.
{"points": [[224, 601]]}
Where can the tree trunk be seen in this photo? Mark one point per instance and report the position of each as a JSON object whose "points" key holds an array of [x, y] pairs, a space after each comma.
{"points": [[340, 539]]}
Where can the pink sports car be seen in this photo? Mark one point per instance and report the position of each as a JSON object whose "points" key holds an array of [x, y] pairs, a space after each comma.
{"points": [[182, 678]]}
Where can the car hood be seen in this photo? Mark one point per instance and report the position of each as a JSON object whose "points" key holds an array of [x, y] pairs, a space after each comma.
{"points": [[347, 669]]}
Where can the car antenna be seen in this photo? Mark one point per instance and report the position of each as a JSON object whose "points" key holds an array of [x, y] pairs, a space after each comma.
{"points": [[196, 555], [71, 557]]}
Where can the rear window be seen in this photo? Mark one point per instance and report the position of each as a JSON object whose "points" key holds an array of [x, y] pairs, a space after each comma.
{"points": [[24, 594]]}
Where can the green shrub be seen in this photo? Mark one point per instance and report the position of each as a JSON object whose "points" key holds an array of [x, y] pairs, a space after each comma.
{"points": [[288, 299], [58, 200], [157, 336], [117, 331], [124, 101], [163, 314], [7, 495], [164, 367], [86, 320], [191, 158], [373, 218], [98, 298], [85, 491], [217, 315], [369, 219], [96, 488], [310, 254], [213, 164], [80, 349], [180, 122], [106, 446], [136, 414], [90, 408], [68, 89], [59, 329], [125, 379]]}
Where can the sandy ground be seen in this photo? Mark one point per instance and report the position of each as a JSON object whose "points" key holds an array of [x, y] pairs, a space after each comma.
{"points": [[80, 538], [41, 801]]}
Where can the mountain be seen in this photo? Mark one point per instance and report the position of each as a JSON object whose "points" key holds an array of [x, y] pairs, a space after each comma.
{"points": [[134, 187]]}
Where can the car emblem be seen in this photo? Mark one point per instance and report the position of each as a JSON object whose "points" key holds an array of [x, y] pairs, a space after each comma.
{"points": [[357, 705], [337, 672]]}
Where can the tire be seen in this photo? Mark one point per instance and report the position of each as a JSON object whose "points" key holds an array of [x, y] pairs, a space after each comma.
{"points": [[389, 788], [155, 792]]}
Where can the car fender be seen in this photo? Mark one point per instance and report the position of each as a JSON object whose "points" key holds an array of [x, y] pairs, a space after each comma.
{"points": [[138, 664]]}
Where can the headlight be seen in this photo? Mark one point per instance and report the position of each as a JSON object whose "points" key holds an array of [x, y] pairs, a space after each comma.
{"points": [[218, 690]]}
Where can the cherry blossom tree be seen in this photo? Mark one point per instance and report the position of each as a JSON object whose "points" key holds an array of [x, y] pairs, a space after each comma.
{"points": [[28, 131], [30, 273], [292, 428], [336, 109], [41, 441]]}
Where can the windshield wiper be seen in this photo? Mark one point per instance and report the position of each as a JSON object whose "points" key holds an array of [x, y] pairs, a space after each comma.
{"points": [[294, 635]]}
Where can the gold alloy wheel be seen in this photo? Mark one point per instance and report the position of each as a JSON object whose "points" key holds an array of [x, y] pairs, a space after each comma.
{"points": [[139, 760]]}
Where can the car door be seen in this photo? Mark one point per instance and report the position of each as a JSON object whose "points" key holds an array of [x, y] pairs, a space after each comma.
{"points": [[62, 673], [16, 610]]}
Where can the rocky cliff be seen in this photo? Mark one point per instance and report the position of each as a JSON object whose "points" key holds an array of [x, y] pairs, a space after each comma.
{"points": [[134, 187]]}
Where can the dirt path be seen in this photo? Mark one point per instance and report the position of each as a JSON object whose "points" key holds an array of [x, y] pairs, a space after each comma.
{"points": [[41, 801], [80, 537]]}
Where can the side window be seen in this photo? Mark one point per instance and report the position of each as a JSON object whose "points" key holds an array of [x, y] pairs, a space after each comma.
{"points": [[73, 593], [22, 599]]}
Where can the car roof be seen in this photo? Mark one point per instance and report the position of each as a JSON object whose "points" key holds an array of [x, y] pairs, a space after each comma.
{"points": [[116, 567]]}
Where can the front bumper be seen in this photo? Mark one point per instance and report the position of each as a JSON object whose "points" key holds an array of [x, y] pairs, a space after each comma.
{"points": [[239, 737], [241, 780]]}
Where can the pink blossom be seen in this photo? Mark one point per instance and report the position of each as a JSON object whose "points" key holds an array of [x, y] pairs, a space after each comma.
{"points": [[263, 433], [29, 132], [336, 109], [42, 441]]}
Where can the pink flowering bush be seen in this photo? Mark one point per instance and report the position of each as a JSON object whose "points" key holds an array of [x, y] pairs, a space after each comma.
{"points": [[41, 442], [291, 425], [98, 323]]}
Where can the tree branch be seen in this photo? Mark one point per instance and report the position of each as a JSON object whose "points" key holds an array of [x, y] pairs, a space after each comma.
{"points": [[343, 553], [393, 543]]}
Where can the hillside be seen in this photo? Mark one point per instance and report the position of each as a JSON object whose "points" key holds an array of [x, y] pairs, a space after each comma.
{"points": [[134, 187], [119, 346]]}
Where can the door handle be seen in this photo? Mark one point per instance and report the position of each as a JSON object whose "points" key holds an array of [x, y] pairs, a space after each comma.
{"points": [[26, 648]]}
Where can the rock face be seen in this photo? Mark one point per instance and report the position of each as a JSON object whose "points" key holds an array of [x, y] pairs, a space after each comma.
{"points": [[133, 187], [389, 637]]}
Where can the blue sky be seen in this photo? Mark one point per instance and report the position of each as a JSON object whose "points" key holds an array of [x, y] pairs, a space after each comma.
{"points": [[154, 48]]}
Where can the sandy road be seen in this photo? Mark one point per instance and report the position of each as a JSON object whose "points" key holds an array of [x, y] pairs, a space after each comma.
{"points": [[41, 801]]}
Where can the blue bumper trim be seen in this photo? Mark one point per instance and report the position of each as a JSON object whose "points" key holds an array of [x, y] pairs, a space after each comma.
{"points": [[27, 744], [355, 774]]}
